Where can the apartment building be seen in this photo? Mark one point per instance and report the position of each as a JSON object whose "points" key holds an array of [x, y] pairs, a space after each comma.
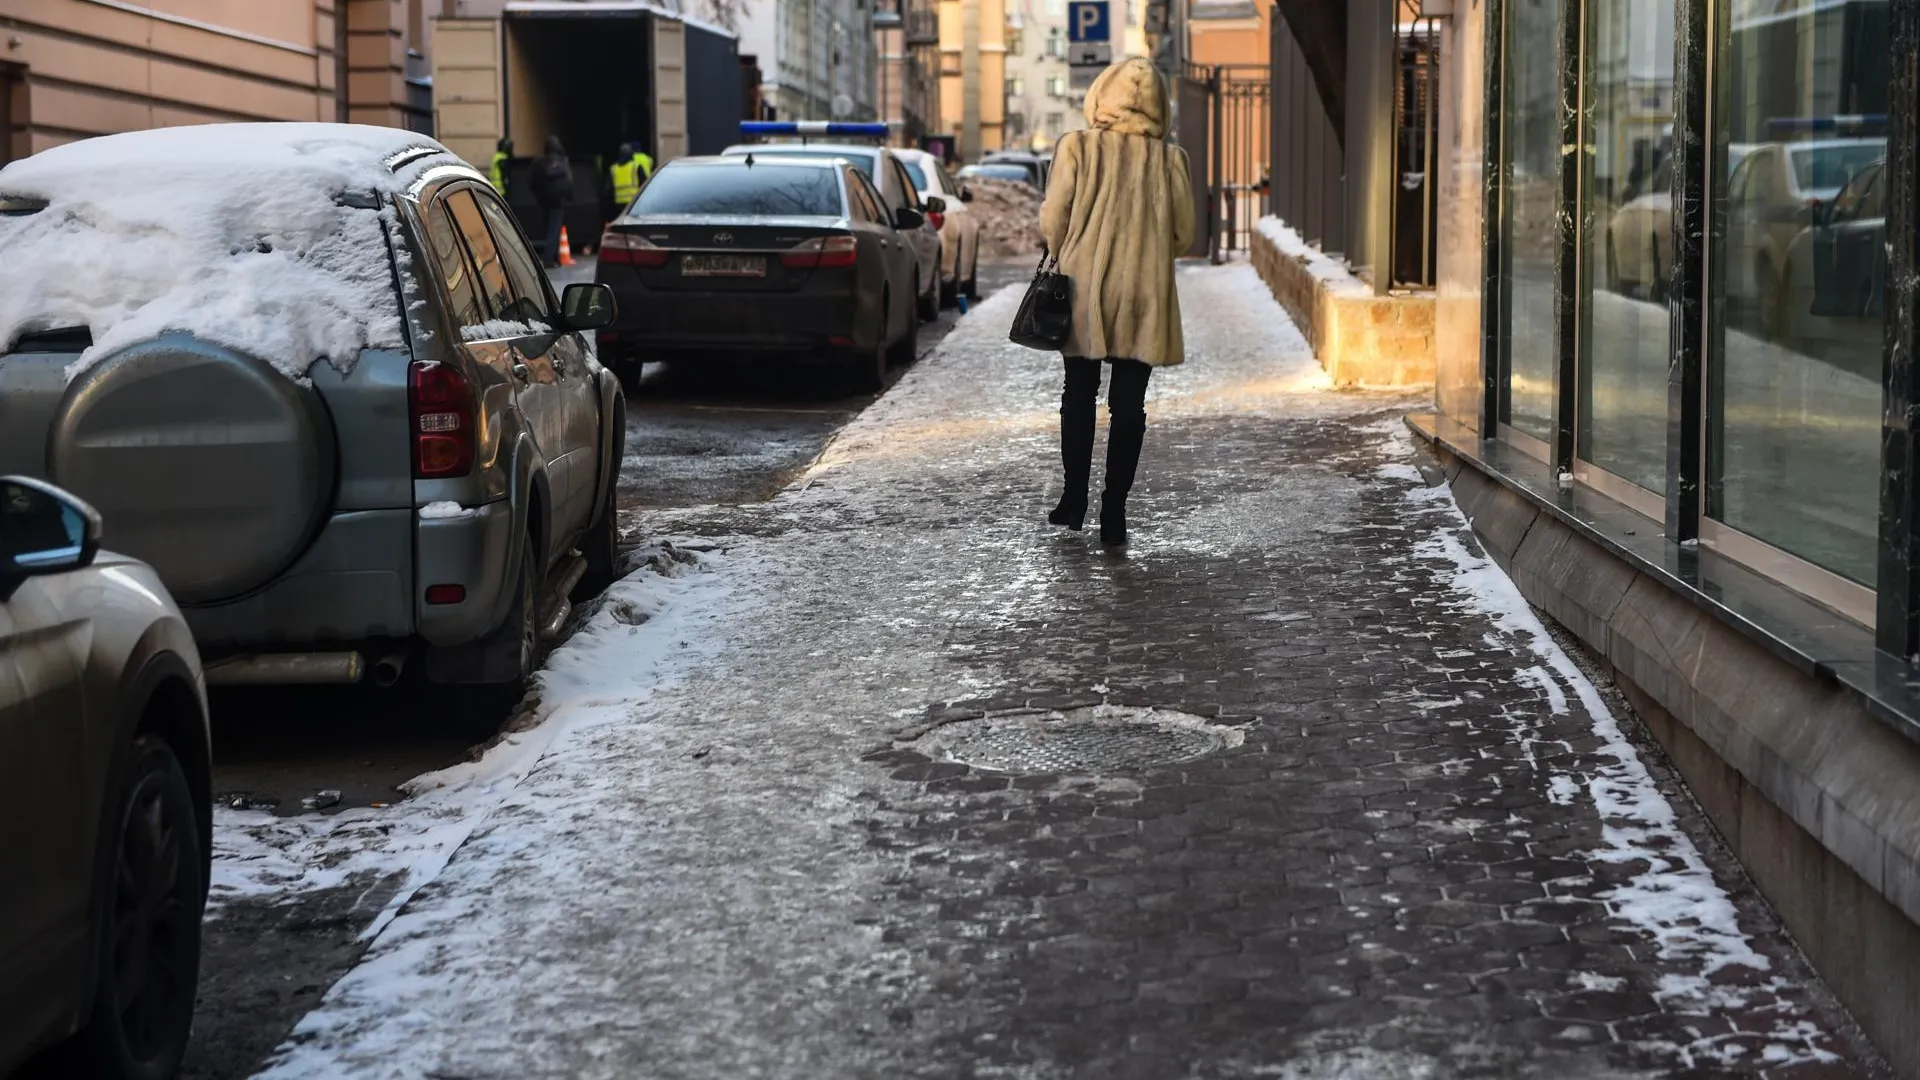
{"points": [[907, 34], [70, 69], [1041, 104], [973, 73]]}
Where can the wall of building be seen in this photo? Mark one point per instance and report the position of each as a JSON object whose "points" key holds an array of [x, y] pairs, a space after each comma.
{"points": [[987, 58], [83, 68], [1041, 106], [80, 68]]}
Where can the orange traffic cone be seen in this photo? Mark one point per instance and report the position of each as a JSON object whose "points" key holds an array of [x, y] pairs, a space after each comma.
{"points": [[566, 250]]}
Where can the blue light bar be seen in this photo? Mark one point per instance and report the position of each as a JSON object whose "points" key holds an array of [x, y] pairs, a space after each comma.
{"points": [[812, 127]]}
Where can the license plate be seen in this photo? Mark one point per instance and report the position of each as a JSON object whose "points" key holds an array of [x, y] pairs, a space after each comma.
{"points": [[723, 266]]}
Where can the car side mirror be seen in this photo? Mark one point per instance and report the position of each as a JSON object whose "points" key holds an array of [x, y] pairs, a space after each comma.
{"points": [[907, 218], [966, 194], [43, 530], [936, 205], [587, 306]]}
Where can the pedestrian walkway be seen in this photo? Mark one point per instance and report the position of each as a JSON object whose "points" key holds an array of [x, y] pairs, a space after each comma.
{"points": [[1399, 834]]}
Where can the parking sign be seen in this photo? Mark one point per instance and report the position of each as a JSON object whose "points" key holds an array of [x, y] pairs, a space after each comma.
{"points": [[1087, 21]]}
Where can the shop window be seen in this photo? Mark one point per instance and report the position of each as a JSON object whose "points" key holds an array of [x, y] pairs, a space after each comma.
{"points": [[1798, 273], [1627, 248], [1530, 204]]}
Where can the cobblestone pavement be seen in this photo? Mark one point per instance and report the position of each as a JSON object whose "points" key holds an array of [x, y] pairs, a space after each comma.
{"points": [[1403, 837]]}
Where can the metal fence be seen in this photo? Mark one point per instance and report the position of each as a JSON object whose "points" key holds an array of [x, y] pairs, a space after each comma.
{"points": [[1224, 128], [1416, 146], [1308, 190], [1368, 194]]}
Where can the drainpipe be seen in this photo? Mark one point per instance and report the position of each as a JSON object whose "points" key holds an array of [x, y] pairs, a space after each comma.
{"points": [[970, 78]]}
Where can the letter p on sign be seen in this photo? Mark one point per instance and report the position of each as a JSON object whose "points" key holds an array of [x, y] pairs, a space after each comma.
{"points": [[1087, 21]]}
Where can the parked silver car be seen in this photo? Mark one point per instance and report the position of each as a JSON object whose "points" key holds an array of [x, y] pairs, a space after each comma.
{"points": [[105, 811], [314, 375]]}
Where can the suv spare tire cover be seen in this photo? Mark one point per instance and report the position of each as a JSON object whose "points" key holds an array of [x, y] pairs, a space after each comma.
{"points": [[205, 463]]}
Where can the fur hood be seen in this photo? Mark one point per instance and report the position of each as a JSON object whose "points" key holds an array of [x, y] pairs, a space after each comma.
{"points": [[1129, 99]]}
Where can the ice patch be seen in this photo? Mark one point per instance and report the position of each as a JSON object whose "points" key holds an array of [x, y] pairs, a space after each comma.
{"points": [[446, 510], [1671, 895]]}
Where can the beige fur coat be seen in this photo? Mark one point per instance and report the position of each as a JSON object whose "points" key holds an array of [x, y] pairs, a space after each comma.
{"points": [[1118, 211]]}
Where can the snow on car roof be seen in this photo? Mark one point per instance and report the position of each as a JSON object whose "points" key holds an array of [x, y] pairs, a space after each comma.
{"points": [[266, 238]]}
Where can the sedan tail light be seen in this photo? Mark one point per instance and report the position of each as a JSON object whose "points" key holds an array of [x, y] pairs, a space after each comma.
{"points": [[626, 249], [443, 428], [938, 221], [821, 253]]}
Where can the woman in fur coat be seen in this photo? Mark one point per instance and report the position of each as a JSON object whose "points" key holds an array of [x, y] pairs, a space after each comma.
{"points": [[1118, 211]]}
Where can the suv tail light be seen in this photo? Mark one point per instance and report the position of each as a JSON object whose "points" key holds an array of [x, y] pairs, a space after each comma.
{"points": [[626, 249], [821, 253], [443, 415]]}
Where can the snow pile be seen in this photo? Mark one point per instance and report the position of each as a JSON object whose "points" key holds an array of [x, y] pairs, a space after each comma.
{"points": [[1009, 216], [240, 234]]}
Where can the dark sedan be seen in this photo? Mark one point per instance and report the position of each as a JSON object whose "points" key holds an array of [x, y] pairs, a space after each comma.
{"points": [[743, 256]]}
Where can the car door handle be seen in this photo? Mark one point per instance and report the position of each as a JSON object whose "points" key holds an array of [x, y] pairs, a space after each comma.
{"points": [[522, 372]]}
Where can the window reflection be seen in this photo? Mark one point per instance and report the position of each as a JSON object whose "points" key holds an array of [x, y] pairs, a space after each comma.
{"points": [[1530, 202], [1629, 248], [1800, 267]]}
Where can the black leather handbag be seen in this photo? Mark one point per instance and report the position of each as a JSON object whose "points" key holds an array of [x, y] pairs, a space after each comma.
{"points": [[1045, 319]]}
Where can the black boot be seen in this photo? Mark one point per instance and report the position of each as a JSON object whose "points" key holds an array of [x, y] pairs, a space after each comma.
{"points": [[1124, 436], [1076, 448]]}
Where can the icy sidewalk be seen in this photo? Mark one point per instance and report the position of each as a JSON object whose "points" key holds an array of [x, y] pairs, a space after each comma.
{"points": [[1406, 836]]}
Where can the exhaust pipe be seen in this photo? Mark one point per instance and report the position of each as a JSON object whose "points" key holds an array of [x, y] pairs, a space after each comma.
{"points": [[388, 669]]}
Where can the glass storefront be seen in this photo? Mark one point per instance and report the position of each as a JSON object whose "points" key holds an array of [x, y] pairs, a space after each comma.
{"points": [[1794, 377], [1782, 447], [1529, 209], [1627, 249]]}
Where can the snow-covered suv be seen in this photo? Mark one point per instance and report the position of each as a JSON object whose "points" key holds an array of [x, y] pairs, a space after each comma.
{"points": [[314, 376]]}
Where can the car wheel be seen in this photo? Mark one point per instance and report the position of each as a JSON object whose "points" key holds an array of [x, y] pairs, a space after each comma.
{"points": [[867, 370], [148, 938], [950, 292], [927, 303], [906, 350], [601, 545], [629, 369]]}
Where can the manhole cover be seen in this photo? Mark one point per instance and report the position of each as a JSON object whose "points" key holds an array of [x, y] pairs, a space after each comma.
{"points": [[1091, 740]]}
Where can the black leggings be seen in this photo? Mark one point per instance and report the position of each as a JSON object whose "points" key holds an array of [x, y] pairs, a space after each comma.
{"points": [[1127, 424], [1126, 392]]}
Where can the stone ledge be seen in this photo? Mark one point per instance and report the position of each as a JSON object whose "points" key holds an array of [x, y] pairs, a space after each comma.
{"points": [[1819, 799], [1361, 339]]}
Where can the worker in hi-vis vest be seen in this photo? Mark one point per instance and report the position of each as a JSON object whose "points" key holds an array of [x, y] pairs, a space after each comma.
{"points": [[497, 172], [631, 169]]}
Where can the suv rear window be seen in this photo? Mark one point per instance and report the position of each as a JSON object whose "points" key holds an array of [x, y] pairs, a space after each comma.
{"points": [[748, 190]]}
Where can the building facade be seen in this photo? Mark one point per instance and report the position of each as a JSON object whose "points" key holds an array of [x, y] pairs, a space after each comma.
{"points": [[907, 35], [973, 74], [1041, 104], [825, 60], [70, 69], [1674, 348]]}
